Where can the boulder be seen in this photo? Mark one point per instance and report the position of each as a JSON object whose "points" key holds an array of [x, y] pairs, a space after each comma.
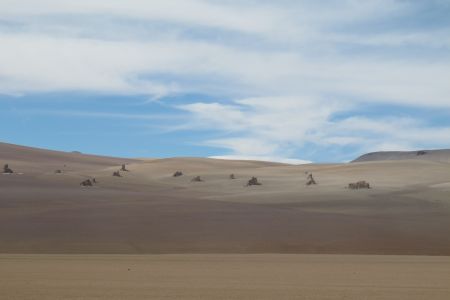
{"points": [[7, 170], [117, 174], [196, 179], [86, 182], [232, 176], [177, 174]]}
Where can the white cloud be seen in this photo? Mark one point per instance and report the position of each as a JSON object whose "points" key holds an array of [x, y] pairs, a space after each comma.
{"points": [[290, 66], [291, 161], [262, 127]]}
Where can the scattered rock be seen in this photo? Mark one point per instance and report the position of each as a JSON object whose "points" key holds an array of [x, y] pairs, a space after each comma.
{"points": [[58, 171], [310, 180], [177, 174], [232, 176], [86, 182], [253, 181], [117, 174], [196, 179], [359, 185], [7, 170]]}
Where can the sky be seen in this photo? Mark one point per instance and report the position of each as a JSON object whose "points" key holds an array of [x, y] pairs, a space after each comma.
{"points": [[290, 81]]}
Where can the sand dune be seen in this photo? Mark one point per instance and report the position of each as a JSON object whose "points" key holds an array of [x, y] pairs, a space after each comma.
{"points": [[147, 210]]}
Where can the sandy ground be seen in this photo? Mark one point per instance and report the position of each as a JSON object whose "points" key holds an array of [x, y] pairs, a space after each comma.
{"points": [[63, 241], [250, 276], [149, 211]]}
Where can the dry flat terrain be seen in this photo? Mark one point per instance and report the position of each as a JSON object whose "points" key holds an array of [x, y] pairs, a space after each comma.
{"points": [[147, 210], [60, 240], [210, 277]]}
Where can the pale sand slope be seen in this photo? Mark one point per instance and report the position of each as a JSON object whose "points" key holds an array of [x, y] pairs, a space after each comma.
{"points": [[148, 211], [210, 277]]}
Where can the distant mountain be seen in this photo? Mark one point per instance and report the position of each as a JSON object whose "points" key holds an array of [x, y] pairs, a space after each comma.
{"points": [[442, 155]]}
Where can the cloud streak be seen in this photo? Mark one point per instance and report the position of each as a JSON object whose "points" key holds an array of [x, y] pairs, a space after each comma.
{"points": [[281, 71]]}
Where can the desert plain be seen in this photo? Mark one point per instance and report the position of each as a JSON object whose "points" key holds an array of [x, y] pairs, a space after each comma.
{"points": [[150, 235]]}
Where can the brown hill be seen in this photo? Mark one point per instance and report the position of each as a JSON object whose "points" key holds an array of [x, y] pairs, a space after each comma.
{"points": [[147, 210]]}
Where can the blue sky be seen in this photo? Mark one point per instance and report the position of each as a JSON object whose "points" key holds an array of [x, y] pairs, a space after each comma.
{"points": [[274, 80]]}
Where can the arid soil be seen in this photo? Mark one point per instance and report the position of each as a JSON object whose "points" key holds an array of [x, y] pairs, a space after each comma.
{"points": [[210, 277], [147, 210], [150, 235]]}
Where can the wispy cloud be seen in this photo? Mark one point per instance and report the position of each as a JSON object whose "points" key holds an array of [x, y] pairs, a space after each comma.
{"points": [[282, 70]]}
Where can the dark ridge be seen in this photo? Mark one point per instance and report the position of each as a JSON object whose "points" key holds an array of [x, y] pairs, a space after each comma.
{"points": [[442, 155]]}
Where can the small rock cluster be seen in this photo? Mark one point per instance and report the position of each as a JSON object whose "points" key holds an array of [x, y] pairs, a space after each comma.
{"points": [[122, 169], [86, 182], [253, 181], [359, 185]]}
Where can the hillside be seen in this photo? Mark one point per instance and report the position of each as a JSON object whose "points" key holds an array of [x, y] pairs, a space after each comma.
{"points": [[430, 155], [147, 210]]}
